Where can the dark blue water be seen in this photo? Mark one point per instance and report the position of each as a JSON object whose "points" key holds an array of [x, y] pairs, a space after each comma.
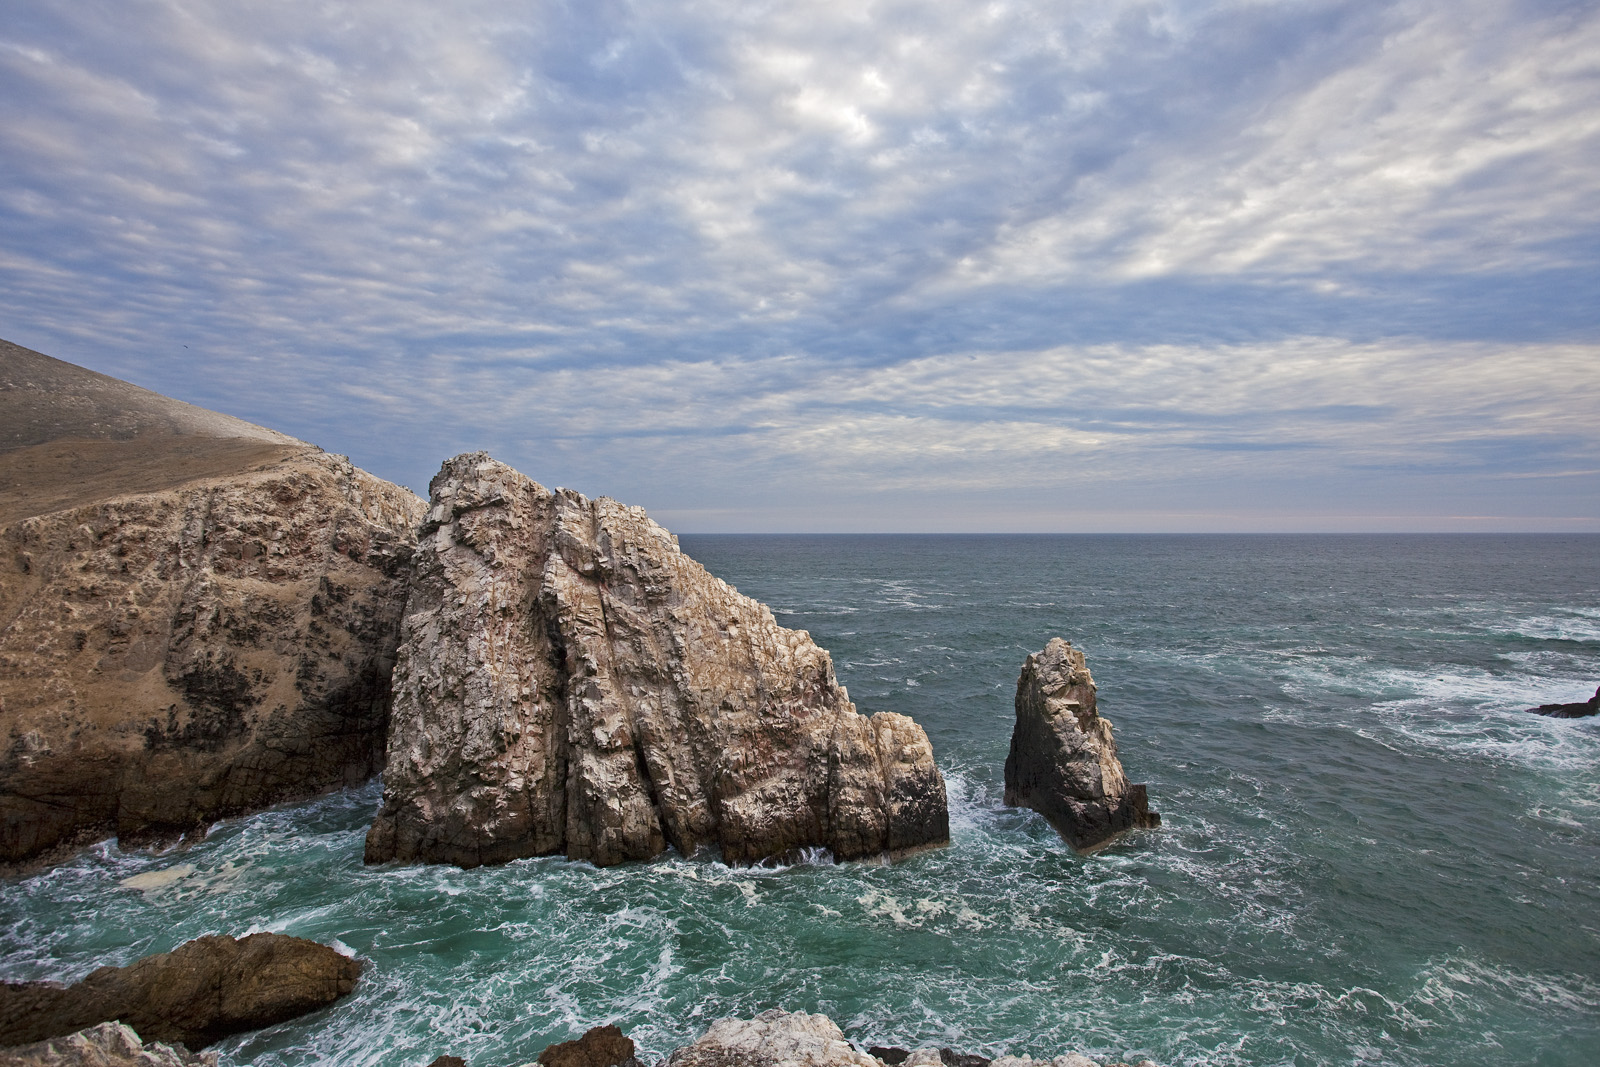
{"points": [[1369, 854]]}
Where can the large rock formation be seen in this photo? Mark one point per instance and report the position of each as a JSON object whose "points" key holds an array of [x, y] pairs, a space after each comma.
{"points": [[217, 641], [196, 994], [106, 1045], [1063, 762], [570, 682]]}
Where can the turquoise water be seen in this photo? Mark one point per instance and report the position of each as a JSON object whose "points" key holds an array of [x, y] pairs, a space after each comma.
{"points": [[1369, 855]]}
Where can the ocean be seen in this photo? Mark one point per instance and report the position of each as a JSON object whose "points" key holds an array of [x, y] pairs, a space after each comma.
{"points": [[1369, 854]]}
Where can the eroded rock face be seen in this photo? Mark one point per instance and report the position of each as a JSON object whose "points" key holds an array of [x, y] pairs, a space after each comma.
{"points": [[106, 1045], [171, 657], [1063, 761], [196, 994], [570, 682]]}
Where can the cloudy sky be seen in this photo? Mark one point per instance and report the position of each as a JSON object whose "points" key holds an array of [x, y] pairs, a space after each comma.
{"points": [[934, 265]]}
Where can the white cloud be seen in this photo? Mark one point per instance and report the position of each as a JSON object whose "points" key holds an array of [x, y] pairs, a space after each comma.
{"points": [[895, 247]]}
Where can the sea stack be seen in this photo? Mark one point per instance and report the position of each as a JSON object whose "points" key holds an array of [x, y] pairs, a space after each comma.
{"points": [[569, 682], [1063, 762], [198, 616]]}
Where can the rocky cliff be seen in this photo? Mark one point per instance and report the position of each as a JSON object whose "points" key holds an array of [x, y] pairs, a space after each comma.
{"points": [[1063, 762], [568, 681], [218, 641]]}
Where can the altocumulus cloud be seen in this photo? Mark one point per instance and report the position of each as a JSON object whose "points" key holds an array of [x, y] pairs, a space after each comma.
{"points": [[1112, 265]]}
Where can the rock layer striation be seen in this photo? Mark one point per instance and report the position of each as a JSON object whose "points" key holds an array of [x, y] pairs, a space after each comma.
{"points": [[196, 994], [568, 681], [201, 649], [1063, 762]]}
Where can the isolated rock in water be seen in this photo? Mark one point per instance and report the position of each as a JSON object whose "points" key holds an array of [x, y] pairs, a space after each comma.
{"points": [[106, 1045], [198, 993], [601, 1046], [1579, 710], [193, 650], [770, 1039], [1063, 762], [569, 682]]}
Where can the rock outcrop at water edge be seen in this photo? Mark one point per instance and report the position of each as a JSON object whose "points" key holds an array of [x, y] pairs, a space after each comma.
{"points": [[794, 1039], [213, 643], [106, 1045], [1063, 762], [569, 682], [196, 994], [1578, 710]]}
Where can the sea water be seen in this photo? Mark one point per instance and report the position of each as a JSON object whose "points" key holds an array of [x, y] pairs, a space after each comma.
{"points": [[1369, 853]]}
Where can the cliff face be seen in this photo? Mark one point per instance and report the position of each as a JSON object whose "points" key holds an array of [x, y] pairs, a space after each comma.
{"points": [[1063, 762], [169, 658], [569, 682]]}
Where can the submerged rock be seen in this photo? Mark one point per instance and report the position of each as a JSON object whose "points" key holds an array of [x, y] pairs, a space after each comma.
{"points": [[1063, 762], [196, 994], [216, 642], [568, 681], [1580, 709], [106, 1045]]}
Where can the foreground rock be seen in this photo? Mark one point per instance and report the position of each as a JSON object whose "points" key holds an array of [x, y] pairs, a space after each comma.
{"points": [[106, 1045], [1580, 709], [600, 1046], [770, 1039], [570, 682], [1063, 761], [203, 649], [196, 994], [795, 1039]]}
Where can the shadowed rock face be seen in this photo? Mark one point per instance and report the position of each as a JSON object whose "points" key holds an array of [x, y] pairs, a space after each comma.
{"points": [[1063, 763], [600, 1046], [196, 994], [176, 654], [569, 682]]}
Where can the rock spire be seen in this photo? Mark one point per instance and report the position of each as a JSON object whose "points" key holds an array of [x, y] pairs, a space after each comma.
{"points": [[1063, 761]]}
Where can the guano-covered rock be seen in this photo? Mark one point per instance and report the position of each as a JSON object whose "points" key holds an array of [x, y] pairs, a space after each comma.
{"points": [[1063, 762], [569, 682]]}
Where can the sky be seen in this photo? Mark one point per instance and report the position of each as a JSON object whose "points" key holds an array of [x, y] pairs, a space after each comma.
{"points": [[1250, 265]]}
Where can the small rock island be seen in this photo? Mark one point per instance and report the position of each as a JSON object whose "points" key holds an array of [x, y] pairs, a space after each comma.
{"points": [[1063, 762]]}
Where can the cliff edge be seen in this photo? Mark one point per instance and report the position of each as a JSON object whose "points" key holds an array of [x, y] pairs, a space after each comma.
{"points": [[198, 616]]}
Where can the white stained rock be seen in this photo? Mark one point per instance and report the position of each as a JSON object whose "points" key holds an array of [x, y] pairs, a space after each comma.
{"points": [[773, 1039], [105, 1045], [924, 1057], [568, 681]]}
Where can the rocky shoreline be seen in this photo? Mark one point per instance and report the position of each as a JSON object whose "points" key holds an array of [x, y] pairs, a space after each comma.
{"points": [[774, 1038]]}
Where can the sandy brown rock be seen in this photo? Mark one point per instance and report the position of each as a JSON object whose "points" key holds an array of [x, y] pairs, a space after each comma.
{"points": [[204, 649], [1063, 762], [600, 1046], [106, 1045], [570, 682], [196, 994]]}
